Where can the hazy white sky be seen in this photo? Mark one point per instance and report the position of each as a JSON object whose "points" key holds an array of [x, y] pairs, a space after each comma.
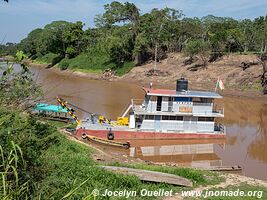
{"points": [[19, 17]]}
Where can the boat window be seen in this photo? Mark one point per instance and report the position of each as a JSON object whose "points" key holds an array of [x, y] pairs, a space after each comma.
{"points": [[210, 119], [202, 100], [179, 118], [165, 117], [202, 119], [197, 99], [172, 117], [184, 99], [206, 119], [165, 98], [150, 117]]}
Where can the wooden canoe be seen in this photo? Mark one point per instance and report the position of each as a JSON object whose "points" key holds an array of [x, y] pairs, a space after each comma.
{"points": [[152, 176]]}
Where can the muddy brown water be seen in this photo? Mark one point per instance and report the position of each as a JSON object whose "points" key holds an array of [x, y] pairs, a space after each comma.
{"points": [[245, 120]]}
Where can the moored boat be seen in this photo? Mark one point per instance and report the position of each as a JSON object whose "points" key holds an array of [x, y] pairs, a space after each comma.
{"points": [[163, 114]]}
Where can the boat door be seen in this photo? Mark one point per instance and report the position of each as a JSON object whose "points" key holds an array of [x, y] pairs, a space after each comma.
{"points": [[157, 122], [159, 103]]}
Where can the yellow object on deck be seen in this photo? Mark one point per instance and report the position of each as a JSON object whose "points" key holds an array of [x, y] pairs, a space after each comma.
{"points": [[123, 121], [102, 119]]}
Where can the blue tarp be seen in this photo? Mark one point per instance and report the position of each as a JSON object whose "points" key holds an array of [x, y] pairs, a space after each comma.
{"points": [[50, 108]]}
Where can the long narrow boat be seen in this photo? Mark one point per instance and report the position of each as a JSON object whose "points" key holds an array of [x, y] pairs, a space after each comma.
{"points": [[163, 114]]}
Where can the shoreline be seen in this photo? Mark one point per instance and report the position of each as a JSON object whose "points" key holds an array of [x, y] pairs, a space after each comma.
{"points": [[228, 92], [103, 157]]}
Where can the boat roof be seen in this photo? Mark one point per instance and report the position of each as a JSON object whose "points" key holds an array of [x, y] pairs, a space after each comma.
{"points": [[174, 93], [50, 108]]}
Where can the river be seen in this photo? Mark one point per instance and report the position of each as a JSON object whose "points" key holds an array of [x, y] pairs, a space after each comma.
{"points": [[245, 120]]}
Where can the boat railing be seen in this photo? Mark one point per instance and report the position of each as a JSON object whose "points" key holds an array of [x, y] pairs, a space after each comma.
{"points": [[219, 127], [138, 104], [201, 104], [217, 109]]}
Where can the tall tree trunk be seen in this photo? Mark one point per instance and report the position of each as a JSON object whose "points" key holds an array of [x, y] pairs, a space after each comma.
{"points": [[263, 59], [137, 59], [156, 55]]}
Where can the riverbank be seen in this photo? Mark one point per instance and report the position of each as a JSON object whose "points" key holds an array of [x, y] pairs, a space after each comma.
{"points": [[216, 180], [238, 82]]}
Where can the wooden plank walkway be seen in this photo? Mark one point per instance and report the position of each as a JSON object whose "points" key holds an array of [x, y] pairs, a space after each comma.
{"points": [[152, 176]]}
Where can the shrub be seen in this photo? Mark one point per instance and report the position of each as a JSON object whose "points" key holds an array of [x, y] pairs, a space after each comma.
{"points": [[64, 64]]}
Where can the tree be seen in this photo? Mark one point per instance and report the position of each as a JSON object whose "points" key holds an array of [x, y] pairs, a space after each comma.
{"points": [[158, 29], [17, 89], [117, 12], [51, 38], [198, 47], [260, 24], [72, 37], [30, 44], [263, 62]]}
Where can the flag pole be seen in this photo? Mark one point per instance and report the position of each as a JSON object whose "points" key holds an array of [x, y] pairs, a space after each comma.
{"points": [[216, 85]]}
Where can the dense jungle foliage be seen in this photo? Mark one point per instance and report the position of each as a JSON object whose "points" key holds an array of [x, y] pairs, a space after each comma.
{"points": [[123, 37]]}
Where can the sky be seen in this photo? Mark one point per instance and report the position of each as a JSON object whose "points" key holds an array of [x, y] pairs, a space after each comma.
{"points": [[19, 17]]}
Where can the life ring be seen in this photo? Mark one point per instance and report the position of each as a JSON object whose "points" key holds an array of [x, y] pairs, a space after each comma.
{"points": [[84, 136], [127, 145], [110, 136]]}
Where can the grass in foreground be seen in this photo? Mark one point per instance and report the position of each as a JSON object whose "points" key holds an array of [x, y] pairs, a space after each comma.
{"points": [[198, 177], [69, 164]]}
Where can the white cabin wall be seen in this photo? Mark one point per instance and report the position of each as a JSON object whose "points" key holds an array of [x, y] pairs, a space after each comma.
{"points": [[203, 109], [205, 126], [148, 125], [189, 125]]}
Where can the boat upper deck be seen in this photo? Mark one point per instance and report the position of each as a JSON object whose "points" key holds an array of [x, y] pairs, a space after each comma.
{"points": [[174, 93]]}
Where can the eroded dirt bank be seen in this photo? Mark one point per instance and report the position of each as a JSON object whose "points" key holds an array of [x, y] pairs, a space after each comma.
{"points": [[238, 81]]}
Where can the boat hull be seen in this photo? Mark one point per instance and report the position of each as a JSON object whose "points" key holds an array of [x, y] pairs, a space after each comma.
{"points": [[131, 135]]}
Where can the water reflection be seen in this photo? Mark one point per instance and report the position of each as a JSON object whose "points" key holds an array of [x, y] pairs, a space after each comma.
{"points": [[187, 153], [258, 147]]}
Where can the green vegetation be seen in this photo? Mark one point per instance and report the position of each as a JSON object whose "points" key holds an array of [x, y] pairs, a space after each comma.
{"points": [[17, 89], [198, 177], [200, 48], [47, 58], [57, 166], [72, 163], [49, 166], [123, 37]]}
